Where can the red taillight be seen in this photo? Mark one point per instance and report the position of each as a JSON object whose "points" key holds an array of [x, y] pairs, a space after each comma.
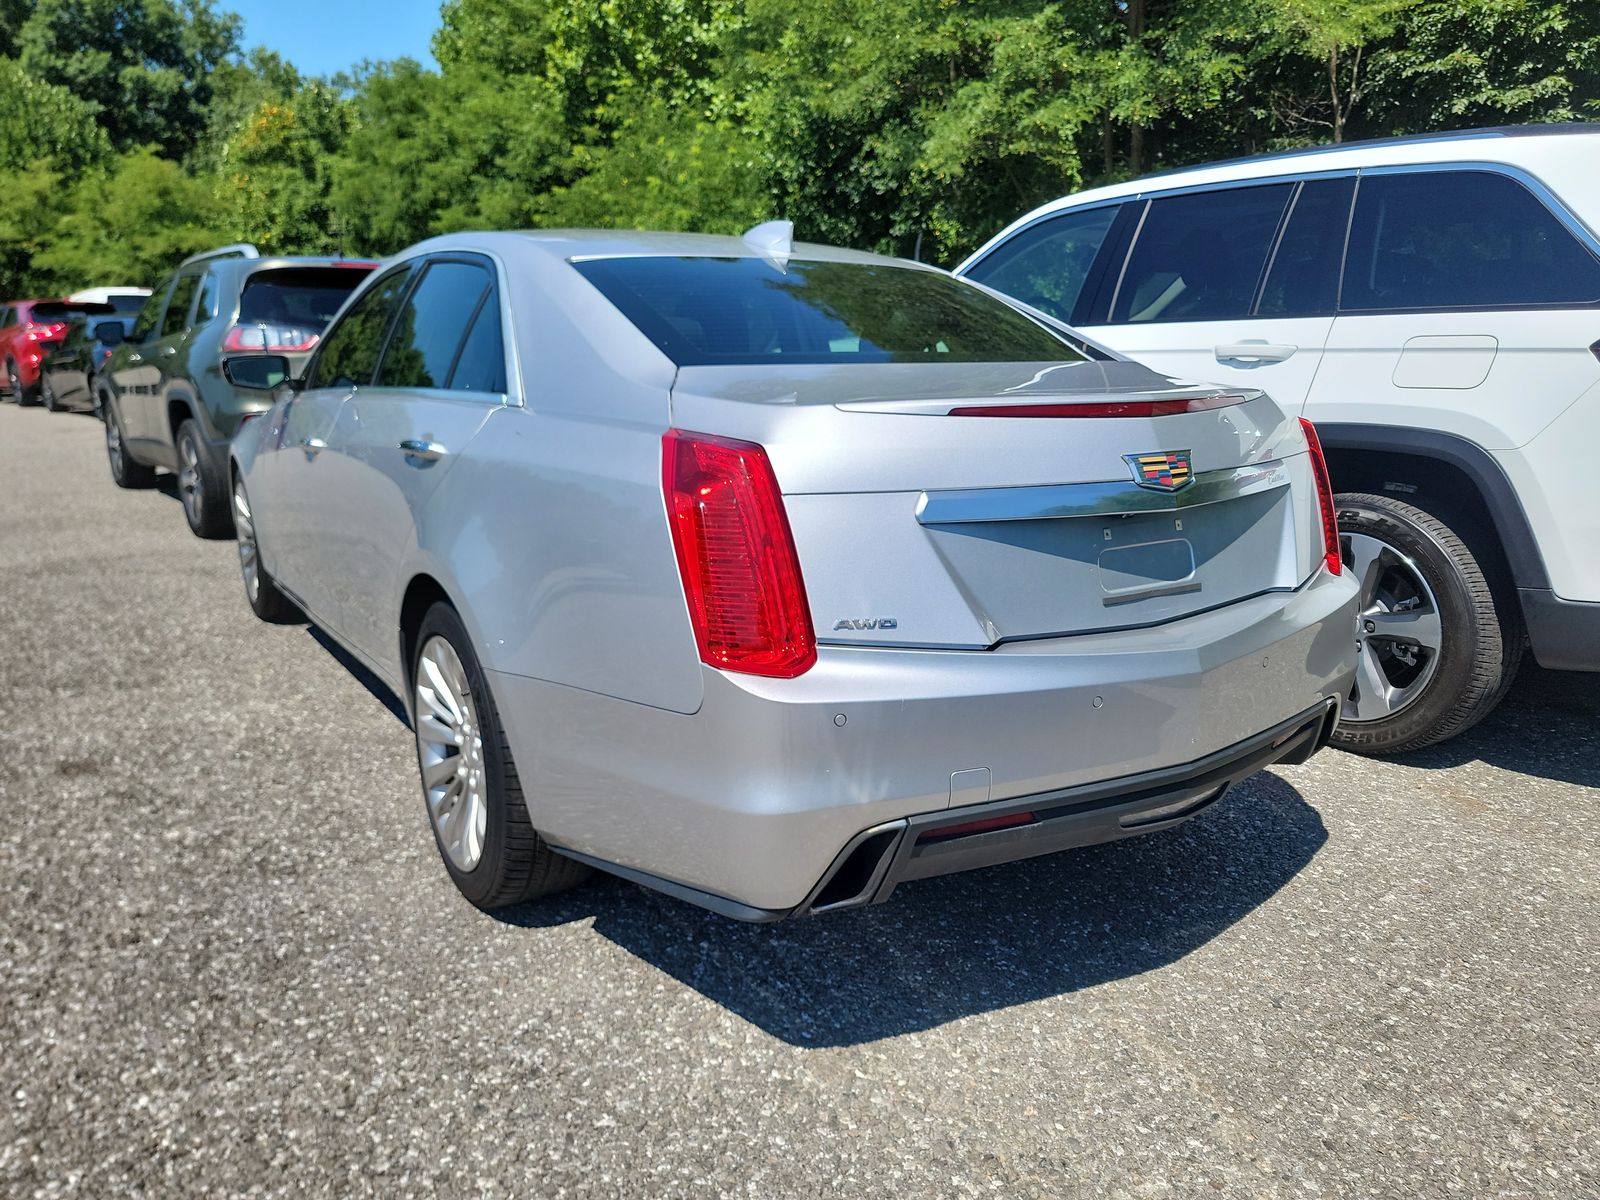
{"points": [[1330, 519], [741, 575], [987, 825], [271, 339], [1100, 408]]}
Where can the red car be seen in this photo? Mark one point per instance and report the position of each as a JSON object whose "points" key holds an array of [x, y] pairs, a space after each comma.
{"points": [[23, 344]]}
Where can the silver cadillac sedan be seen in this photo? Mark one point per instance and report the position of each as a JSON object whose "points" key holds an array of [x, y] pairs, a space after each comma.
{"points": [[774, 576]]}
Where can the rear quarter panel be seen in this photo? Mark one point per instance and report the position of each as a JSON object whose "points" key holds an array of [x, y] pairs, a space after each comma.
{"points": [[552, 535]]}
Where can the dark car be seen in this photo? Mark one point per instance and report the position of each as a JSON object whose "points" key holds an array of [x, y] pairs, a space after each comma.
{"points": [[67, 375], [166, 400]]}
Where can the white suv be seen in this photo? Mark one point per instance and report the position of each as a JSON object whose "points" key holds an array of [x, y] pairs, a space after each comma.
{"points": [[1433, 304]]}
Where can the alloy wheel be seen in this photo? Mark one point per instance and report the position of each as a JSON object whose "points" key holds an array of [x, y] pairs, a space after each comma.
{"points": [[1398, 630], [189, 479], [450, 750], [244, 527]]}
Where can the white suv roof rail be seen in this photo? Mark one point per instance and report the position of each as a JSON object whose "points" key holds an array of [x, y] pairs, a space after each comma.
{"points": [[236, 250]]}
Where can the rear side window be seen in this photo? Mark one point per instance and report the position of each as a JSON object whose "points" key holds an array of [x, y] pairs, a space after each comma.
{"points": [[176, 319], [433, 325], [1461, 239], [149, 314], [703, 311], [481, 366], [1303, 280], [1046, 265], [297, 297], [349, 356], [1199, 257]]}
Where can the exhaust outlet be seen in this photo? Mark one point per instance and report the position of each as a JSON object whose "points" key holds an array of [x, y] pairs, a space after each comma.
{"points": [[858, 872]]}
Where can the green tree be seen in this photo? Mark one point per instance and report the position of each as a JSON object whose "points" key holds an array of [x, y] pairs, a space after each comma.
{"points": [[131, 224], [146, 65], [275, 171], [45, 125]]}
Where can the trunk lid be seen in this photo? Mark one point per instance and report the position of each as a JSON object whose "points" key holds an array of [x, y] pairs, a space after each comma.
{"points": [[918, 528]]}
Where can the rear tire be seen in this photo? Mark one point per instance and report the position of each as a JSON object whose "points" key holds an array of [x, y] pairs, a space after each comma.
{"points": [[204, 496], [475, 805], [125, 472], [25, 396], [1420, 584]]}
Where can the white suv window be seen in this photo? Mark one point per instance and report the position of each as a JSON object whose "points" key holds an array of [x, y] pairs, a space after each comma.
{"points": [[1199, 256], [1460, 239], [1045, 265]]}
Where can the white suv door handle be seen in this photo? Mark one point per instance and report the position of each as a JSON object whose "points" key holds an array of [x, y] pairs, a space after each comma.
{"points": [[312, 445], [418, 448], [1254, 352]]}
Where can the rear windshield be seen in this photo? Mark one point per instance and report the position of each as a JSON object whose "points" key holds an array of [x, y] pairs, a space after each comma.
{"points": [[298, 297], [124, 303], [706, 311]]}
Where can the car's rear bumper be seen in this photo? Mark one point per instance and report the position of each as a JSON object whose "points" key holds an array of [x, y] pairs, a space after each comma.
{"points": [[748, 805]]}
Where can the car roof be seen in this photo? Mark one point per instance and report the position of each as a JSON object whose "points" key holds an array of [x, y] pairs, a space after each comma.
{"points": [[1510, 145], [617, 243]]}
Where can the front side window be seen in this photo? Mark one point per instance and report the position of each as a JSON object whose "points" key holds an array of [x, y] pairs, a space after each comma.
{"points": [[349, 356], [1461, 239], [176, 319], [1199, 257], [703, 311], [433, 324], [1046, 265]]}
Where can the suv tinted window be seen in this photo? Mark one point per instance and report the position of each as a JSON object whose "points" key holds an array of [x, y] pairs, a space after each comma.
{"points": [[749, 311], [432, 325], [1461, 239], [297, 297], [1046, 264], [1303, 280], [350, 352], [1199, 257], [176, 319]]}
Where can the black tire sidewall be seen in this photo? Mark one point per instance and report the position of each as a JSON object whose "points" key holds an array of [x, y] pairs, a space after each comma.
{"points": [[484, 882], [214, 519], [1468, 635]]}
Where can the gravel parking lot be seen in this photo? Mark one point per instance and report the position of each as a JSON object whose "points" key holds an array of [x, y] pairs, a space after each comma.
{"points": [[230, 961]]}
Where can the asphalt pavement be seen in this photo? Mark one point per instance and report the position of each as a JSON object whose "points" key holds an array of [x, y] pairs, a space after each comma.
{"points": [[231, 963]]}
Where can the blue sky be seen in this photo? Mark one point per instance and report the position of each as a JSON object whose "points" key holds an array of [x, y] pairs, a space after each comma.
{"points": [[324, 36]]}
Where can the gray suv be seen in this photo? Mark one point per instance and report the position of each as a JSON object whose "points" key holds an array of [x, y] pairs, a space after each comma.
{"points": [[167, 398]]}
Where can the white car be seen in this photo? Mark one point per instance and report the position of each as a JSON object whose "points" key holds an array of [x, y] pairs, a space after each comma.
{"points": [[1433, 304]]}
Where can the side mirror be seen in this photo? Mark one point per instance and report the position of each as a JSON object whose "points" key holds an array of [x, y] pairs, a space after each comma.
{"points": [[257, 372], [109, 333]]}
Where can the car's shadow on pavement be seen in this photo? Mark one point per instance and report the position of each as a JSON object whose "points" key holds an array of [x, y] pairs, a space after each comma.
{"points": [[1547, 726], [974, 943]]}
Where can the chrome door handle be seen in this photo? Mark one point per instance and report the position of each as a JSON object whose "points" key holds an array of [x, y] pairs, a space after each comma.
{"points": [[312, 446], [418, 448], [1254, 352]]}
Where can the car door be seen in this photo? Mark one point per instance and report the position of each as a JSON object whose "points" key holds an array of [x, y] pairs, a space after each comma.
{"points": [[303, 521], [1232, 285], [68, 365], [1467, 307], [443, 372], [135, 372], [168, 355]]}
